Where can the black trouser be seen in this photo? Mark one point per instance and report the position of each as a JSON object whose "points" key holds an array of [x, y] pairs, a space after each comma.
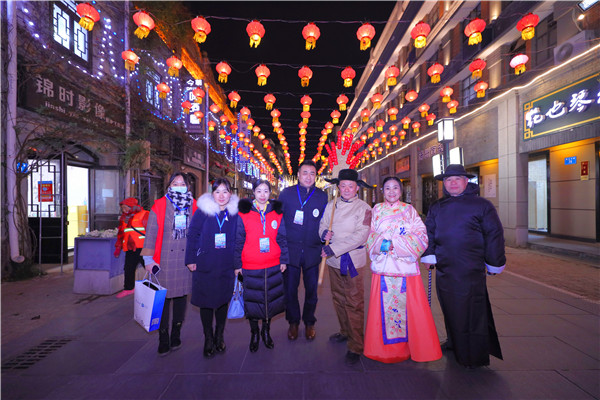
{"points": [[206, 315], [291, 281], [132, 259], [179, 306]]}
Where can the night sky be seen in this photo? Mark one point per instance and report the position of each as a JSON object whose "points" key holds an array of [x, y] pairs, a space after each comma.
{"points": [[282, 49]]}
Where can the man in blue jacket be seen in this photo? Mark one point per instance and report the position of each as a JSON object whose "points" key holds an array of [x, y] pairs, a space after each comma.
{"points": [[303, 206]]}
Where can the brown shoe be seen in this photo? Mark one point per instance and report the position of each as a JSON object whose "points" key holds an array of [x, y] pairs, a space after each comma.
{"points": [[293, 332], [310, 332]]}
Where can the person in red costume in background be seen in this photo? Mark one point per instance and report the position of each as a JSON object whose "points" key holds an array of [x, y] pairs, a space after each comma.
{"points": [[130, 237]]}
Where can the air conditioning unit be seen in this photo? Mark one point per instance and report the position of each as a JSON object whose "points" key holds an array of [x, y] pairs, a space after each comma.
{"points": [[574, 46]]}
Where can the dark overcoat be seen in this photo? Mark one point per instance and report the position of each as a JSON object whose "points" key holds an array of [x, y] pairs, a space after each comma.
{"points": [[213, 279], [466, 235]]}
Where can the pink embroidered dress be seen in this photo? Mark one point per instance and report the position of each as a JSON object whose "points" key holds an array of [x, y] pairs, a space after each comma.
{"points": [[399, 321]]}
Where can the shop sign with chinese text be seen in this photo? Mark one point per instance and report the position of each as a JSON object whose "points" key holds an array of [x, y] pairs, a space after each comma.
{"points": [[570, 106]]}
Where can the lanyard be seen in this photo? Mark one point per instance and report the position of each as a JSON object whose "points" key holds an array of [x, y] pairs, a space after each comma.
{"points": [[175, 205], [263, 217], [300, 199], [222, 221]]}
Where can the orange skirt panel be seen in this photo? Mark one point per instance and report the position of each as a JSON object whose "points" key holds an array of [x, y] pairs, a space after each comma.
{"points": [[423, 343]]}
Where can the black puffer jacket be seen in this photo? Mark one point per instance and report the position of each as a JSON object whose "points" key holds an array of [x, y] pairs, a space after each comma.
{"points": [[263, 292]]}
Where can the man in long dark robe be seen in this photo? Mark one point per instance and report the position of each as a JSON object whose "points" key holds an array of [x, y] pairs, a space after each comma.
{"points": [[466, 241]]}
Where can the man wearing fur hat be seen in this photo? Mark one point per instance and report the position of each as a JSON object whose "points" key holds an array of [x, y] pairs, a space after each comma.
{"points": [[465, 240], [346, 257]]}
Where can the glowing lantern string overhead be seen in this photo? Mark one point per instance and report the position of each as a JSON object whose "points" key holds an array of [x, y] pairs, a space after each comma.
{"points": [[234, 98], [335, 116], [224, 120], [452, 106], [249, 122], [88, 14], [380, 124], [198, 94], [435, 71], [214, 108], [480, 88], [476, 68], [354, 126], [202, 29], [473, 31], [163, 89], [393, 129], [347, 75], [305, 74], [365, 34], [305, 116], [130, 59], [419, 34], [527, 26], [416, 127], [376, 99], [430, 119], [262, 72], [311, 33], [186, 105], [446, 93], [365, 114], [255, 31], [424, 109], [144, 22], [329, 126], [224, 70], [342, 100], [245, 112], [275, 114], [405, 122], [392, 112], [306, 101], [269, 100], [518, 63], [391, 74], [411, 96], [174, 65]]}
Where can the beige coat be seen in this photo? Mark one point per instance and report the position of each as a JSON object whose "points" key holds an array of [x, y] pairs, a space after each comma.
{"points": [[351, 226]]}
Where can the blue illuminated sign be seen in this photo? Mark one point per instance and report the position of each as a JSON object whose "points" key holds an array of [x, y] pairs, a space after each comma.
{"points": [[570, 160]]}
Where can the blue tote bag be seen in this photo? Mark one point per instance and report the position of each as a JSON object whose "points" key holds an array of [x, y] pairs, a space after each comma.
{"points": [[236, 305]]}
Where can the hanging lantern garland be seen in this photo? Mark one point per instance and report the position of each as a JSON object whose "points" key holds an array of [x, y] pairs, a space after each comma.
{"points": [[342, 100], [262, 72], [144, 22], [255, 31], [347, 75], [224, 70], [202, 29], [305, 75], [311, 33]]}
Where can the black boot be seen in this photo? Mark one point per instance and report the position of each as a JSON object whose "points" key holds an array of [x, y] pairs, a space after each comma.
{"points": [[219, 338], [175, 335], [163, 342], [266, 334], [254, 338], [209, 343]]}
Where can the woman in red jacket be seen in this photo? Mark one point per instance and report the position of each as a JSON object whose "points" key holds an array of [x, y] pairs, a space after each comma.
{"points": [[261, 251]]}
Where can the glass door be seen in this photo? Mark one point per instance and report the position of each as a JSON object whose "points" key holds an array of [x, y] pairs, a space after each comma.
{"points": [[538, 193], [78, 183]]}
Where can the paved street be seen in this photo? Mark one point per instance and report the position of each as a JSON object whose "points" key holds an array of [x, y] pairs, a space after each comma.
{"points": [[60, 345]]}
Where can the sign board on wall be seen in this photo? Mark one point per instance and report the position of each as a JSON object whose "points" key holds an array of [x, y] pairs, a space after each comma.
{"points": [[45, 191], [403, 164], [489, 182], [573, 105], [585, 171]]}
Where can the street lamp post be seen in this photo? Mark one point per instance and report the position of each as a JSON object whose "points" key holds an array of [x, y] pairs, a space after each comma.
{"points": [[445, 136]]}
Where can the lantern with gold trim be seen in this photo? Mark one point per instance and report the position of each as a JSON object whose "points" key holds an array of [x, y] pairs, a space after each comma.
{"points": [[380, 124], [186, 105], [446, 93], [405, 122], [480, 87], [256, 132], [144, 22], [245, 112], [435, 71], [305, 74], [275, 114], [130, 59], [164, 89], [214, 108], [211, 125], [269, 101], [419, 34], [392, 112], [347, 75], [411, 96], [518, 63], [305, 116], [393, 129], [476, 68], [255, 31], [452, 106], [306, 101], [424, 109], [311, 33], [202, 29], [88, 14], [276, 126], [526, 26], [342, 100], [416, 126], [335, 116], [329, 126], [365, 34], [391, 74], [174, 65], [376, 99], [234, 98], [365, 114], [224, 70], [394, 140], [354, 126], [473, 31], [250, 124], [430, 119], [402, 134], [224, 120], [199, 115], [198, 94], [262, 72]]}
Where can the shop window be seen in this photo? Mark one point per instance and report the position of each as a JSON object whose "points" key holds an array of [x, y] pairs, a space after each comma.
{"points": [[68, 33], [152, 80], [545, 40], [467, 90], [106, 189]]}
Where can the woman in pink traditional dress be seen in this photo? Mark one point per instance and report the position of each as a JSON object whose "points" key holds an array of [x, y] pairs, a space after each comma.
{"points": [[399, 321]]}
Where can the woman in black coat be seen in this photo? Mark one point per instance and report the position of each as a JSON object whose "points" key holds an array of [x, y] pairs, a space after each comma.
{"points": [[209, 254]]}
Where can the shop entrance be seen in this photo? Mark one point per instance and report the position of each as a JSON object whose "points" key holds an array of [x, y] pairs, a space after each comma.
{"points": [[78, 201], [538, 193]]}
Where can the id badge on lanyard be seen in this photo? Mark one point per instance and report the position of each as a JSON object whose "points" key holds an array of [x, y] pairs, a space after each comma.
{"points": [[180, 221], [299, 217], [220, 240], [264, 245]]}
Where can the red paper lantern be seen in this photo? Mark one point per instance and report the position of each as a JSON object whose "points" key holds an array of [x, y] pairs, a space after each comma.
{"points": [[214, 108], [224, 120], [402, 134], [335, 116], [480, 88], [347, 75], [393, 129], [305, 116], [363, 138], [276, 125], [365, 34], [275, 114], [198, 94], [394, 140], [228, 139], [424, 108], [305, 74], [174, 65], [430, 118], [202, 29], [342, 100], [186, 105], [163, 89], [370, 131], [476, 68], [130, 59], [224, 70], [365, 114], [199, 115], [262, 72], [376, 99], [419, 34], [411, 96], [473, 31], [144, 22], [446, 93], [245, 112], [527, 26], [211, 125], [391, 74], [88, 15], [269, 100], [452, 106], [392, 112], [256, 32], [405, 122], [306, 101], [250, 123], [329, 126], [518, 63], [435, 71], [416, 127], [234, 98], [311, 33], [354, 126], [380, 124]]}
